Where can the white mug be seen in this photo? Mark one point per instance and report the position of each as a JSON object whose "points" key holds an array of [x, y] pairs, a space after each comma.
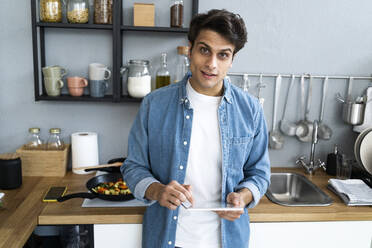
{"points": [[98, 72]]}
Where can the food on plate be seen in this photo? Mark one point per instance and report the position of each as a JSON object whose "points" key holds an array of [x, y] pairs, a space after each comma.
{"points": [[112, 188]]}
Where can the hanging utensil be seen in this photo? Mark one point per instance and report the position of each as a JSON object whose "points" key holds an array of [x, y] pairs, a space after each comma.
{"points": [[275, 138], [287, 127], [324, 131], [260, 86], [305, 127], [246, 82]]}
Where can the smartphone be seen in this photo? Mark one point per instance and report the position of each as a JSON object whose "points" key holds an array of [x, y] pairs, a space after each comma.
{"points": [[53, 193]]}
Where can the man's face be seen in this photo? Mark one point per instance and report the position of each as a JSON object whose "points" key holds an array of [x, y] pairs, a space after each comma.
{"points": [[210, 59]]}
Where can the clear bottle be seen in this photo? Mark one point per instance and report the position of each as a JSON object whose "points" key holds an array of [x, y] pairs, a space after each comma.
{"points": [[176, 13], [183, 63], [78, 11], [163, 75], [33, 141], [50, 10], [54, 141]]}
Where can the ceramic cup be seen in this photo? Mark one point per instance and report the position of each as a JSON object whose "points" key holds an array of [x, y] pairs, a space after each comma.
{"points": [[98, 88], [54, 71], [53, 85], [76, 85], [98, 72]]}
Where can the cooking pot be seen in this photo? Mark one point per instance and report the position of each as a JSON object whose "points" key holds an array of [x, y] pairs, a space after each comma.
{"points": [[10, 171]]}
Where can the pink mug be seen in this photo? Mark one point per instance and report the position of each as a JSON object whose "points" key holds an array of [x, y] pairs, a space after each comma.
{"points": [[76, 85]]}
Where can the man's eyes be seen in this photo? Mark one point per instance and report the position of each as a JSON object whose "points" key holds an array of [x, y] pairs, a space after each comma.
{"points": [[223, 55], [204, 50]]}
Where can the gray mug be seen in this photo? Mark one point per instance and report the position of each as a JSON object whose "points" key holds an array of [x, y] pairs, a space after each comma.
{"points": [[98, 88]]}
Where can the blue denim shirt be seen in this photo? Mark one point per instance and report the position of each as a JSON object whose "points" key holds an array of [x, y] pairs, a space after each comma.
{"points": [[158, 145]]}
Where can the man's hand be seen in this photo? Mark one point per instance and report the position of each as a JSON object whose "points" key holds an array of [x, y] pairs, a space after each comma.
{"points": [[170, 195], [238, 199]]}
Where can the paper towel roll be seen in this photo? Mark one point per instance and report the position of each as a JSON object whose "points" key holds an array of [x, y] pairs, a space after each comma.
{"points": [[84, 147]]}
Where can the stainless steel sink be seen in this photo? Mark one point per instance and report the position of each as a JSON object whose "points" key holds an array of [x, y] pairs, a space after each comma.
{"points": [[291, 189]]}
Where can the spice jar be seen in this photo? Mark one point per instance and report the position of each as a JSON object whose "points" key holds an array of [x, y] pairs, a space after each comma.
{"points": [[77, 11], [33, 141], [139, 79], [176, 13], [103, 11], [50, 10], [54, 141]]}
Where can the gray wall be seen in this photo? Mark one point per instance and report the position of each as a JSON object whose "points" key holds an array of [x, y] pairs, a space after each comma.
{"points": [[330, 37]]}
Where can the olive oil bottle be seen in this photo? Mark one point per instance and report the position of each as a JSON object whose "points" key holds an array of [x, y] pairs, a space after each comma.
{"points": [[163, 75]]}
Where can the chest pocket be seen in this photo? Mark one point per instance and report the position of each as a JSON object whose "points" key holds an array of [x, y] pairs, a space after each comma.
{"points": [[239, 150]]}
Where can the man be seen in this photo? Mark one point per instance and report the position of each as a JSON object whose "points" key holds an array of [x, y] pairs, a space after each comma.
{"points": [[202, 140]]}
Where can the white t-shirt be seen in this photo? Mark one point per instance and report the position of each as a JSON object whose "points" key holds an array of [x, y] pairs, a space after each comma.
{"points": [[203, 173]]}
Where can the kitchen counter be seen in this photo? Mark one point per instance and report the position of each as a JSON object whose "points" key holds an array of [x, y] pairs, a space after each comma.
{"points": [[23, 208]]}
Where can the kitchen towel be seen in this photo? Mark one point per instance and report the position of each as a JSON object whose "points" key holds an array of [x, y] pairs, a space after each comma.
{"points": [[84, 147]]}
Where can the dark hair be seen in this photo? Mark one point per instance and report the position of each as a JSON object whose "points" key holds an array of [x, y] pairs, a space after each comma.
{"points": [[227, 24]]}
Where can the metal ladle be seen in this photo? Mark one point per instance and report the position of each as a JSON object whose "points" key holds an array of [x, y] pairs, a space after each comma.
{"points": [[324, 131], [287, 127], [275, 138], [305, 127]]}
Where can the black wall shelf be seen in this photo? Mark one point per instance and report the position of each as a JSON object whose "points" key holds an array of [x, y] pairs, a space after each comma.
{"points": [[117, 28]]}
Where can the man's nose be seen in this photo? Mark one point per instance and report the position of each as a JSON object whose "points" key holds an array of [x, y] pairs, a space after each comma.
{"points": [[212, 62]]}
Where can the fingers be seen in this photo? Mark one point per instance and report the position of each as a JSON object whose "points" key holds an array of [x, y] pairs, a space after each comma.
{"points": [[234, 198], [173, 194], [230, 215], [188, 193]]}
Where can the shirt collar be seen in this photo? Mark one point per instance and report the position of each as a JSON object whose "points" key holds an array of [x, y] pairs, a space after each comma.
{"points": [[183, 95]]}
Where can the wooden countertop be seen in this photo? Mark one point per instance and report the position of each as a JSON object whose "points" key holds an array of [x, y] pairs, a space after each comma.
{"points": [[23, 208], [71, 212]]}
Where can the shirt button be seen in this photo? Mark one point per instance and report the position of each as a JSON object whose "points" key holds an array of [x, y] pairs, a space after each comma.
{"points": [[181, 167], [175, 217], [186, 100], [169, 242], [185, 143], [187, 117]]}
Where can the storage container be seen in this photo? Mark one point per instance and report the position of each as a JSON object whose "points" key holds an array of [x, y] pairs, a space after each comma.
{"points": [[103, 11], [44, 162], [50, 10], [144, 14]]}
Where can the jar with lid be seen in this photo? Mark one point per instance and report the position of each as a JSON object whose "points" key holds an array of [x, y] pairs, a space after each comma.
{"points": [[54, 141], [163, 75], [176, 13], [139, 79], [103, 11], [78, 11], [50, 10], [34, 141], [183, 63]]}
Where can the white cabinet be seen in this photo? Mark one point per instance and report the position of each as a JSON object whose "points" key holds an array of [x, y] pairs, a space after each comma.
{"points": [[340, 234], [118, 235]]}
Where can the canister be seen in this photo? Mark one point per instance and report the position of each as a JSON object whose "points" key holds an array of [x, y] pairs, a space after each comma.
{"points": [[10, 171]]}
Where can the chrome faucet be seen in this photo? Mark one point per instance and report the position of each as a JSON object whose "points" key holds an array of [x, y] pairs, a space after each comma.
{"points": [[313, 165]]}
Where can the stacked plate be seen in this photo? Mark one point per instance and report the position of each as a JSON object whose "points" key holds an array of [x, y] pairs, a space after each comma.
{"points": [[363, 150]]}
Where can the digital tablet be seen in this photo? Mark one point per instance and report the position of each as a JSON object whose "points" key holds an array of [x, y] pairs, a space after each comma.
{"points": [[213, 206]]}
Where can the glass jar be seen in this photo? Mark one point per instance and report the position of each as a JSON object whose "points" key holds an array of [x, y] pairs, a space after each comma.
{"points": [[183, 63], [103, 11], [163, 75], [54, 141], [139, 79], [50, 10], [78, 11], [176, 13], [33, 140]]}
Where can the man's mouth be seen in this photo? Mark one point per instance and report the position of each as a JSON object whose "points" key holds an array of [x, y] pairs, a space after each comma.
{"points": [[208, 75]]}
